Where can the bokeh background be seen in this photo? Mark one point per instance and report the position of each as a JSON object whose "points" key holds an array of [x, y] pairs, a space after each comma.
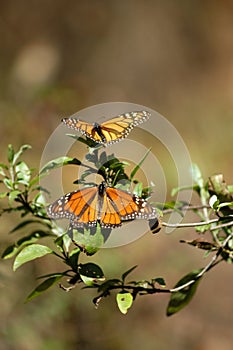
{"points": [[58, 57]]}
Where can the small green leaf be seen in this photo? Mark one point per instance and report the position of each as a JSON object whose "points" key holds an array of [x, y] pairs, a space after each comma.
{"points": [[138, 189], [90, 273], [182, 297], [29, 253], [58, 162], [138, 166], [72, 261], [44, 286], [15, 248], [125, 274], [124, 301], [90, 239], [23, 173], [8, 183], [160, 281], [20, 152], [213, 202], [3, 194], [196, 175], [40, 199], [202, 228], [175, 190], [90, 270], [2, 168], [225, 204], [10, 154], [27, 222], [10, 251], [13, 195]]}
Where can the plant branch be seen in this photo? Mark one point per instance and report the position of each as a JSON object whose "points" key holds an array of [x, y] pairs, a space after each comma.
{"points": [[190, 224], [186, 208], [213, 262], [226, 224]]}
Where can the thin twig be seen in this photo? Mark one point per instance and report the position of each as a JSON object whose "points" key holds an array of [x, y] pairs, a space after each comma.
{"points": [[190, 224], [226, 224], [213, 262], [186, 208]]}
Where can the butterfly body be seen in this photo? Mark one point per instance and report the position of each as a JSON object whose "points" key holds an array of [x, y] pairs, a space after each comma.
{"points": [[101, 204], [111, 131], [97, 130]]}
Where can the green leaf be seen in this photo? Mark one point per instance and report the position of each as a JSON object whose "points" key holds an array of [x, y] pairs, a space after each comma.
{"points": [[20, 152], [90, 273], [72, 261], [28, 222], [213, 202], [10, 154], [87, 141], [3, 194], [125, 274], [225, 204], [138, 189], [202, 228], [182, 297], [44, 286], [175, 190], [59, 162], [13, 195], [160, 281], [91, 270], [196, 175], [138, 166], [10, 251], [15, 248], [29, 253], [2, 168], [23, 173], [124, 301], [8, 183], [90, 239]]}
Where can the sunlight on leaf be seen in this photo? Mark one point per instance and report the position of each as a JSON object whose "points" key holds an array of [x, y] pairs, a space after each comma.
{"points": [[29, 253], [124, 301]]}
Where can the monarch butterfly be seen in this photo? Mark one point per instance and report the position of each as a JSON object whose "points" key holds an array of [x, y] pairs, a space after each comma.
{"points": [[110, 131], [106, 205]]}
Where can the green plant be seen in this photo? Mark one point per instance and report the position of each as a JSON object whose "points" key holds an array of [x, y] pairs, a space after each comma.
{"points": [[22, 193]]}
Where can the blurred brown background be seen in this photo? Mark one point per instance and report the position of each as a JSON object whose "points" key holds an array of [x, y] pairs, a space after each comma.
{"points": [[58, 57]]}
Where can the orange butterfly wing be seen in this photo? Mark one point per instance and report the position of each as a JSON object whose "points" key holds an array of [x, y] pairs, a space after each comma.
{"points": [[107, 205], [110, 131], [78, 206], [129, 206]]}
